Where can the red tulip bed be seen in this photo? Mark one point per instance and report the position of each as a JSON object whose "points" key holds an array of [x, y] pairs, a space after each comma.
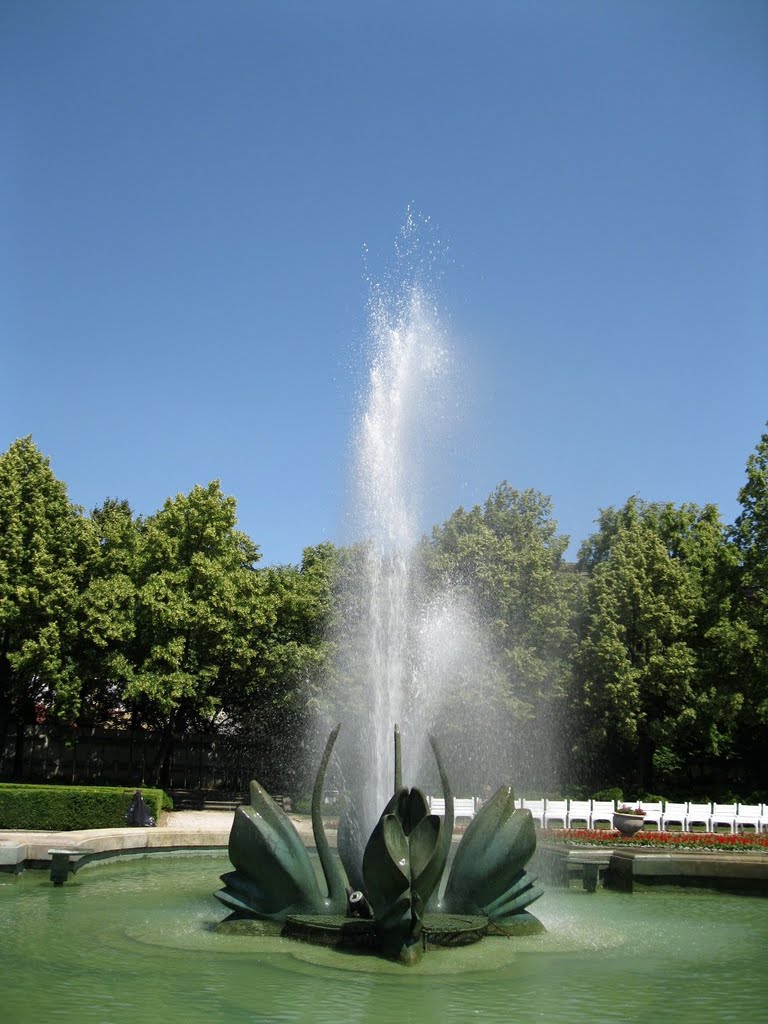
{"points": [[741, 842]]}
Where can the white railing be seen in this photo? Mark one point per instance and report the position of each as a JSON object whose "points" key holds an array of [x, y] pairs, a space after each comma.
{"points": [[587, 813]]}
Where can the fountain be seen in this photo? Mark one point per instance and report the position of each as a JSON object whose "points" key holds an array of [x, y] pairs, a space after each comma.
{"points": [[399, 896], [407, 899]]}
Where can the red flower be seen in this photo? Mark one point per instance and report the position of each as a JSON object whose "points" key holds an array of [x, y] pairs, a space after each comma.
{"points": [[688, 840]]}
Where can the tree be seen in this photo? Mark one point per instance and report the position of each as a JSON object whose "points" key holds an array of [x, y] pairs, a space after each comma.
{"points": [[507, 556], [750, 536], [654, 681], [298, 640], [107, 610], [267, 724], [199, 604], [43, 540]]}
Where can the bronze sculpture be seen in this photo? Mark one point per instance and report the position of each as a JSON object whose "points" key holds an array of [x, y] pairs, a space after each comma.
{"points": [[395, 903]]}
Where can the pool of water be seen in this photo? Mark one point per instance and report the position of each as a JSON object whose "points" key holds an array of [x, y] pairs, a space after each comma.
{"points": [[132, 940]]}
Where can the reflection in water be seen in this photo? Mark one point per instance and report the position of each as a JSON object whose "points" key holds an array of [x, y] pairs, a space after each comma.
{"points": [[133, 940]]}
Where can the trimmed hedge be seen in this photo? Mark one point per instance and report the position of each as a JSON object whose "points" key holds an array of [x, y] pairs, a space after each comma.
{"points": [[68, 808]]}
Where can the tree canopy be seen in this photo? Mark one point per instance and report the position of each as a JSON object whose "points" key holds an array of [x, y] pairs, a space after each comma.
{"points": [[507, 556], [750, 605], [43, 548], [643, 665]]}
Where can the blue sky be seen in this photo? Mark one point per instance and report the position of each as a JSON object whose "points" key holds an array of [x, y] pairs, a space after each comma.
{"points": [[186, 189]]}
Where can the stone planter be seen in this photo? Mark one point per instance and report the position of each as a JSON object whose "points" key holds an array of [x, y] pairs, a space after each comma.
{"points": [[628, 824]]}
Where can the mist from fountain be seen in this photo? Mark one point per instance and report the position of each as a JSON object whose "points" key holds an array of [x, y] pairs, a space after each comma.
{"points": [[408, 654], [392, 434]]}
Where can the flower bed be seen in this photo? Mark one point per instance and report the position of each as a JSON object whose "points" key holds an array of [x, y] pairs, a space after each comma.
{"points": [[753, 842]]}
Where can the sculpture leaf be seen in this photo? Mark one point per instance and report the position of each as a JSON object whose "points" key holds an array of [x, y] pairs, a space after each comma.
{"points": [[387, 875], [273, 874], [426, 859], [350, 844], [487, 871], [402, 865]]}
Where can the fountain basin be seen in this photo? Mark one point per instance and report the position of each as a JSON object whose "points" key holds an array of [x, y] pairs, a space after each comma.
{"points": [[135, 939]]}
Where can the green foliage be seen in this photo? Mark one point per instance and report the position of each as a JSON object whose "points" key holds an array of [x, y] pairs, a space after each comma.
{"points": [[651, 659], [750, 598], [43, 548], [612, 793], [296, 650], [267, 716], [69, 808], [652, 667], [508, 556], [666, 763], [196, 607], [106, 650]]}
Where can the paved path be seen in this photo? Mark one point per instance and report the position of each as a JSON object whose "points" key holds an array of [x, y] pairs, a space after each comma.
{"points": [[221, 821], [191, 821], [178, 830]]}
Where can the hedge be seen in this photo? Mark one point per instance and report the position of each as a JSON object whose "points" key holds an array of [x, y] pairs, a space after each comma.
{"points": [[67, 808]]}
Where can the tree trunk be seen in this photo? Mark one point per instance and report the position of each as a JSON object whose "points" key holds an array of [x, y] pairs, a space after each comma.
{"points": [[162, 769], [646, 750], [18, 754], [6, 704], [5, 720]]}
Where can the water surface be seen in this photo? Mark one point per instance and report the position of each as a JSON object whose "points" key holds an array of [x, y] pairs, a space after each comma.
{"points": [[132, 940]]}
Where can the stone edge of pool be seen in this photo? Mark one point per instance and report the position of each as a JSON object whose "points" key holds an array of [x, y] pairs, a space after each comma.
{"points": [[621, 869], [189, 831], [557, 865], [33, 849]]}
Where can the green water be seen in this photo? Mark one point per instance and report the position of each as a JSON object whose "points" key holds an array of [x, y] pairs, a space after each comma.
{"points": [[131, 941]]}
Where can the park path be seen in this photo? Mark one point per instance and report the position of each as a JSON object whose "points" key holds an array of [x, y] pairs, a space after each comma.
{"points": [[221, 821]]}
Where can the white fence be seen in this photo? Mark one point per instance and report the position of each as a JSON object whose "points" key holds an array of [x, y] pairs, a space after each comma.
{"points": [[687, 816]]}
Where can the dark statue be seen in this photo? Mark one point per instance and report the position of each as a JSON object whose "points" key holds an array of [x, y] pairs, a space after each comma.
{"points": [[138, 814], [395, 903]]}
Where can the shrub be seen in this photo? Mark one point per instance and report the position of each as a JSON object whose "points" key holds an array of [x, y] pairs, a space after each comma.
{"points": [[66, 808], [576, 793], [609, 794]]}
